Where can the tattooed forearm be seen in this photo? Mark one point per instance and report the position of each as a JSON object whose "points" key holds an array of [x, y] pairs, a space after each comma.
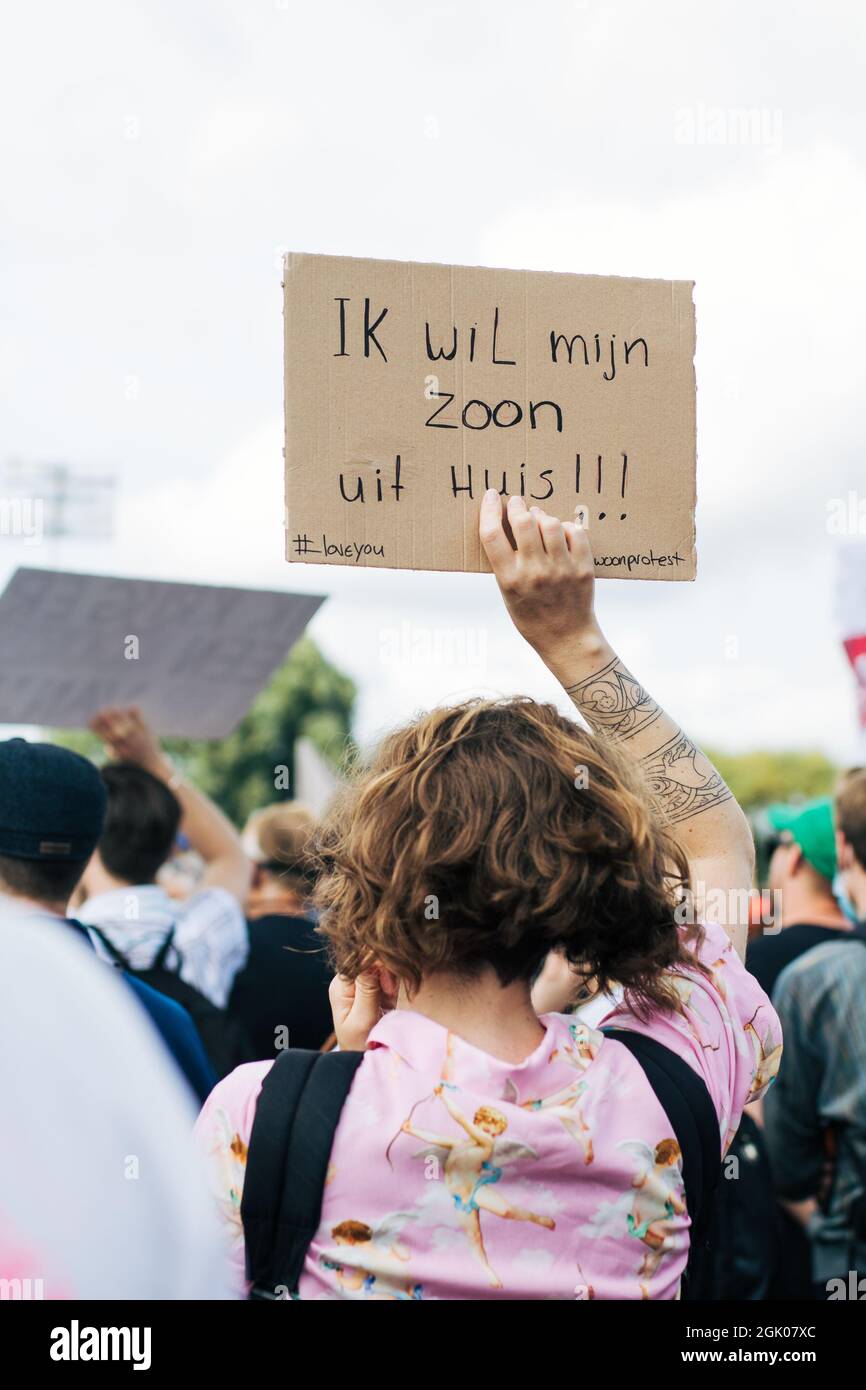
{"points": [[613, 702], [682, 780]]}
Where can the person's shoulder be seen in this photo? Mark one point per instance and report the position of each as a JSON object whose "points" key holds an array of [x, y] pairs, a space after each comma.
{"points": [[211, 902], [763, 947], [236, 1095], [765, 958], [172, 1020], [712, 948], [287, 942], [247, 1078], [724, 979], [158, 1003], [243, 1082], [279, 926], [825, 965], [724, 1023], [710, 990]]}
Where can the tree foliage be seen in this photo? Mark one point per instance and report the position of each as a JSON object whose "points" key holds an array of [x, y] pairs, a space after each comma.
{"points": [[307, 697], [761, 777]]}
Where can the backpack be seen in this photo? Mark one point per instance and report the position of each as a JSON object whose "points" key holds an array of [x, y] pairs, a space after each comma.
{"points": [[747, 1234], [297, 1115], [223, 1037]]}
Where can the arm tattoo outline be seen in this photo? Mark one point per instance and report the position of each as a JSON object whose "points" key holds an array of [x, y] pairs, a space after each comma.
{"points": [[682, 781], [613, 702]]}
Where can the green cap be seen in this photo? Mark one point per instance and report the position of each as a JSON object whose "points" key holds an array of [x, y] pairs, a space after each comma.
{"points": [[811, 827]]}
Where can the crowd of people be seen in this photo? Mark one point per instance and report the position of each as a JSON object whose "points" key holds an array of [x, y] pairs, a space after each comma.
{"points": [[497, 1026]]}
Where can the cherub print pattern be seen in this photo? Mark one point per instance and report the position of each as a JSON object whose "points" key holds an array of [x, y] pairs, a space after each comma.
{"points": [[473, 1165], [578, 1053], [458, 1175], [767, 1049], [370, 1264], [647, 1212]]}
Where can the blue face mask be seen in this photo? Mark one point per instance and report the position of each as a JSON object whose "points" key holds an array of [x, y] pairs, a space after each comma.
{"points": [[845, 903]]}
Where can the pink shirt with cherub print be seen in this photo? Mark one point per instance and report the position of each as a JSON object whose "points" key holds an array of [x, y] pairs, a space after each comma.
{"points": [[456, 1175]]}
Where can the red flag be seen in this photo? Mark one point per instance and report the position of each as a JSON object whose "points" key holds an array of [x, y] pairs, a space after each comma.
{"points": [[856, 649]]}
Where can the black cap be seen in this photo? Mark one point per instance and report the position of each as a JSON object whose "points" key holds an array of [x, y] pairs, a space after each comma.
{"points": [[52, 803]]}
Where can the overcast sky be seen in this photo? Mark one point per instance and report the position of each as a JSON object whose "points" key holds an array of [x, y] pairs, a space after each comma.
{"points": [[157, 158]]}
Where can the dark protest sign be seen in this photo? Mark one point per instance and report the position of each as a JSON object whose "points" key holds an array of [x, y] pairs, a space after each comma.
{"points": [[411, 389], [193, 656]]}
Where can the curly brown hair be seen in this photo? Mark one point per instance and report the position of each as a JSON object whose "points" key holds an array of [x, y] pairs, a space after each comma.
{"points": [[490, 833]]}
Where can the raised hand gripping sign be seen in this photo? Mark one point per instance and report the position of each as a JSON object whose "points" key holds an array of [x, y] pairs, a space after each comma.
{"points": [[411, 389]]}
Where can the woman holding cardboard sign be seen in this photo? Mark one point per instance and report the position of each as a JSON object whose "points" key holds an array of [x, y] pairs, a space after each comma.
{"points": [[484, 1150]]}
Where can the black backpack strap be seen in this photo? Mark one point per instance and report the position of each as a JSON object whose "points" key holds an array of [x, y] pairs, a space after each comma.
{"points": [[684, 1097], [158, 962], [119, 958], [296, 1117], [116, 956]]}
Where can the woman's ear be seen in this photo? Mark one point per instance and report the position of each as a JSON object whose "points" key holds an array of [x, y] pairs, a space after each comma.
{"points": [[389, 983], [844, 852]]}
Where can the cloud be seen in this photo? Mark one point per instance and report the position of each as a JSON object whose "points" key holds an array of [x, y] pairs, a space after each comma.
{"points": [[166, 154]]}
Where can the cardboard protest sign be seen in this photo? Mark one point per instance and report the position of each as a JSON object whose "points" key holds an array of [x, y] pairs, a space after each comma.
{"points": [[191, 655], [411, 389]]}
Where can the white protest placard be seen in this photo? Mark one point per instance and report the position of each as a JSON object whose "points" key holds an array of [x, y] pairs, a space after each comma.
{"points": [[193, 656]]}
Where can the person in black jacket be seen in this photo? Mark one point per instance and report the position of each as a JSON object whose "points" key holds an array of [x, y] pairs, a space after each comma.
{"points": [[281, 996]]}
